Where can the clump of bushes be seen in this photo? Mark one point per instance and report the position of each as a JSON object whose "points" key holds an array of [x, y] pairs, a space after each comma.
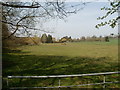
{"points": [[46, 39]]}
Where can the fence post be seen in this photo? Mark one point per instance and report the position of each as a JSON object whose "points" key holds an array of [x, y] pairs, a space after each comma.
{"points": [[104, 80], [59, 83], [7, 83]]}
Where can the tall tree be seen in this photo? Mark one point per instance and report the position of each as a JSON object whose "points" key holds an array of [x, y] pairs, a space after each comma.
{"points": [[49, 39], [44, 38]]}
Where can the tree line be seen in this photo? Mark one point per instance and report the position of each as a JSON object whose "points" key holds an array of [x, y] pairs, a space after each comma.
{"points": [[50, 39]]}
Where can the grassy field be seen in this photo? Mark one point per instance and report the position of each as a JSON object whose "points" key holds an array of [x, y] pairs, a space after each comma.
{"points": [[59, 59]]}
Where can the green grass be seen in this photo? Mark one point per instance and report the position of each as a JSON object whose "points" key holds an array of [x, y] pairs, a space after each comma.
{"points": [[58, 59]]}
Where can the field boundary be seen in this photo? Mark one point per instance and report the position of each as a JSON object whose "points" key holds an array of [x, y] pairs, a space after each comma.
{"points": [[63, 76]]}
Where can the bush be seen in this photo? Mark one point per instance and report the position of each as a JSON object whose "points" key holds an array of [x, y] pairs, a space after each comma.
{"points": [[107, 39]]}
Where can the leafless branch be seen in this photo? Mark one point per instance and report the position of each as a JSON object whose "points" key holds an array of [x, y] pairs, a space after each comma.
{"points": [[25, 15], [19, 6]]}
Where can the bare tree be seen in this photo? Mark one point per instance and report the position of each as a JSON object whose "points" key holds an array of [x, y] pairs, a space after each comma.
{"points": [[22, 17]]}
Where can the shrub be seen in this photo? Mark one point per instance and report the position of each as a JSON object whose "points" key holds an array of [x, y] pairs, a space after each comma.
{"points": [[107, 39]]}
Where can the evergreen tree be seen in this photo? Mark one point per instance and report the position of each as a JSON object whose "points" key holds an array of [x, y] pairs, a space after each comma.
{"points": [[49, 39], [44, 38]]}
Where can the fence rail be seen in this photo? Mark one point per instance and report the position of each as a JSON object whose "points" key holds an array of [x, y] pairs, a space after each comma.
{"points": [[65, 76]]}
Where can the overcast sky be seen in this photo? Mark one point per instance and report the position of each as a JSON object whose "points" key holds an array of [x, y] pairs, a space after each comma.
{"points": [[82, 23]]}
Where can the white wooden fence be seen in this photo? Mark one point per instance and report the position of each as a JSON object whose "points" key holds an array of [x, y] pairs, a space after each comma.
{"points": [[66, 76]]}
